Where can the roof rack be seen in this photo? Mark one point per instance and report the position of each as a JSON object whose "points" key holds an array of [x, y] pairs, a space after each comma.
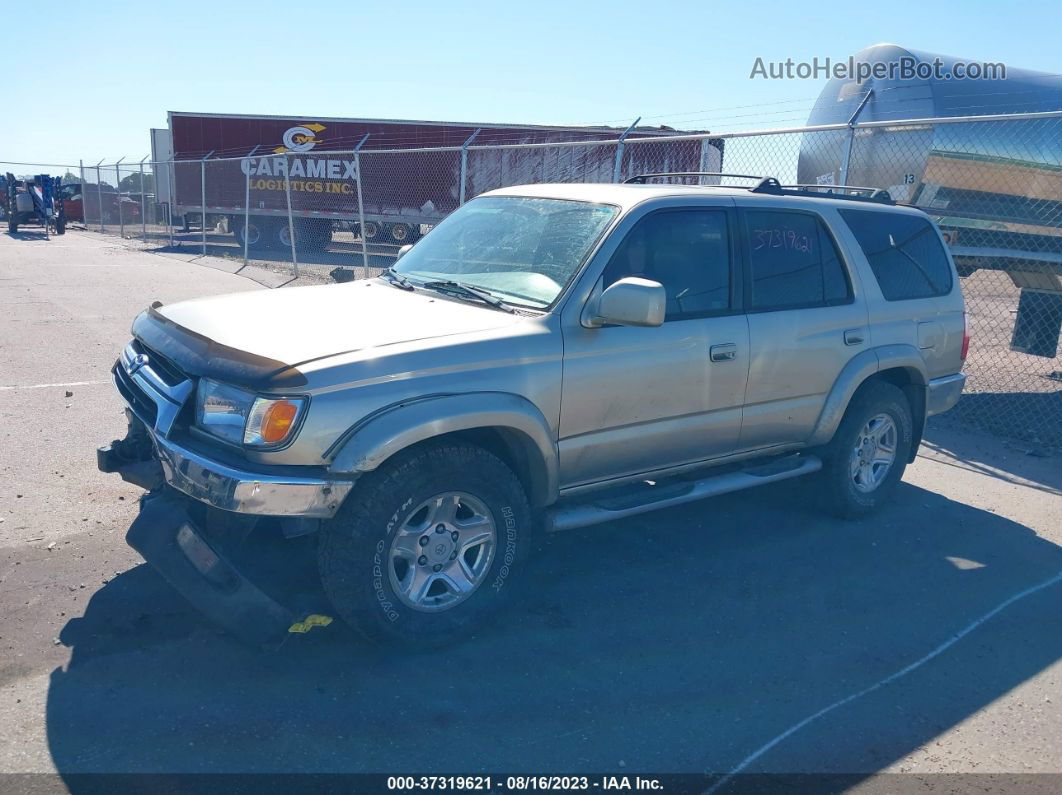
{"points": [[772, 187], [639, 179]]}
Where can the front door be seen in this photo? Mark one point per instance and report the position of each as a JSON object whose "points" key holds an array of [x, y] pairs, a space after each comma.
{"points": [[639, 399]]}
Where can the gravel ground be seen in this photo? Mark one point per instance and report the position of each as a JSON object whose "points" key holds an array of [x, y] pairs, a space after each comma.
{"points": [[689, 640]]}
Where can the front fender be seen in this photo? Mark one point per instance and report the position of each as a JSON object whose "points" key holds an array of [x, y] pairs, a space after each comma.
{"points": [[858, 370], [379, 436]]}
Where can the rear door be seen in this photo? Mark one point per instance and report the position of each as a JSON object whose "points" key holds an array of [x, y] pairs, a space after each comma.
{"points": [[804, 320]]}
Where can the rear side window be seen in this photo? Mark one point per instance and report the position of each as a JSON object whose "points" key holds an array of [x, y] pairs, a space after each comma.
{"points": [[904, 252], [793, 262]]}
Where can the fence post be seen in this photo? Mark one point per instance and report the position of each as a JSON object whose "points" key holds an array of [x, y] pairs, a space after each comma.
{"points": [[851, 137], [291, 222], [118, 197], [464, 166], [84, 201], [99, 193], [171, 171], [617, 168], [143, 200], [247, 202], [202, 199], [361, 209]]}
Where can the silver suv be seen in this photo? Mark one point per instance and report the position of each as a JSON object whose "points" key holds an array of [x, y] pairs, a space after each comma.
{"points": [[548, 357]]}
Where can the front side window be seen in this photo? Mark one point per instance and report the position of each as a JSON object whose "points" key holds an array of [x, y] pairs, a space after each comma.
{"points": [[903, 251], [687, 251], [522, 250], [793, 262]]}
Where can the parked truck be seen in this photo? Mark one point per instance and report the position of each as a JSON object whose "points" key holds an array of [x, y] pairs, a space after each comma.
{"points": [[233, 167]]}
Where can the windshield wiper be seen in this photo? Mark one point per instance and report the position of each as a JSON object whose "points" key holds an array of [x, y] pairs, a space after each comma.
{"points": [[469, 291], [397, 279]]}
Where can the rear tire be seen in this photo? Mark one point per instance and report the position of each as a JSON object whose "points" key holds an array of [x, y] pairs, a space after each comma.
{"points": [[866, 458], [400, 233], [393, 575], [282, 236], [373, 231], [253, 230]]}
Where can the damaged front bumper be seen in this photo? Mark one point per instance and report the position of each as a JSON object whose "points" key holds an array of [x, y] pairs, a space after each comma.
{"points": [[174, 544], [198, 512], [195, 517], [147, 460]]}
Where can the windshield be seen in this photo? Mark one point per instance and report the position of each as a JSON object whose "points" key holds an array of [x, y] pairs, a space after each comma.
{"points": [[522, 250]]}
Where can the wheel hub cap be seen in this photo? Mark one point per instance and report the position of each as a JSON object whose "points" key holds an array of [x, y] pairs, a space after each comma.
{"points": [[874, 453], [442, 551]]}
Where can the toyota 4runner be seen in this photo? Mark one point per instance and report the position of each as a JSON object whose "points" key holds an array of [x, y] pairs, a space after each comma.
{"points": [[548, 357]]}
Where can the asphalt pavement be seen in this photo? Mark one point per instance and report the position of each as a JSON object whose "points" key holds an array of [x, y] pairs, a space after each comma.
{"points": [[747, 632]]}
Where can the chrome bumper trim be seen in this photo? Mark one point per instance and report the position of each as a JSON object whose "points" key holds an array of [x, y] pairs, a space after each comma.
{"points": [[943, 393], [248, 492]]}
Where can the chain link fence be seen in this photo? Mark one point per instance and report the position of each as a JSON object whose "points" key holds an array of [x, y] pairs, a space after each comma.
{"points": [[993, 184]]}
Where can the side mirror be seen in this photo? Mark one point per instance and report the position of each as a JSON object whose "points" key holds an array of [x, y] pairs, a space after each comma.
{"points": [[403, 251], [630, 302]]}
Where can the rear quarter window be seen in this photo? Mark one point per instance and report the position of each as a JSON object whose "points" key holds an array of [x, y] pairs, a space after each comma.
{"points": [[904, 252]]}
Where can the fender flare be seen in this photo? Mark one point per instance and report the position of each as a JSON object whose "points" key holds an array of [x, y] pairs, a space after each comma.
{"points": [[858, 370], [377, 437]]}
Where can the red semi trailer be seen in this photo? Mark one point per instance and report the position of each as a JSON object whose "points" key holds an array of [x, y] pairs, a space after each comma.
{"points": [[403, 187]]}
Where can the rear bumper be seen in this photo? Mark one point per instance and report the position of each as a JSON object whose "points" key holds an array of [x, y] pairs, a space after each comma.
{"points": [[943, 393]]}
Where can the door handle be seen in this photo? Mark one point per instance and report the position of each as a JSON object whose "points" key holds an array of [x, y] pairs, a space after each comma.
{"points": [[853, 336], [725, 352]]}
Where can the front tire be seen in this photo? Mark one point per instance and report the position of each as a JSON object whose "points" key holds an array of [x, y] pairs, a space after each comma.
{"points": [[394, 575], [864, 462]]}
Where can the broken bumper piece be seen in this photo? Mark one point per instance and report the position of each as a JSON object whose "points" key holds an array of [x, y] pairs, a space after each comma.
{"points": [[168, 538]]}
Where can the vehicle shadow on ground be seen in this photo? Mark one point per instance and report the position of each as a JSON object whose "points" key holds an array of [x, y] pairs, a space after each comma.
{"points": [[677, 641], [1019, 415], [1041, 467], [38, 234]]}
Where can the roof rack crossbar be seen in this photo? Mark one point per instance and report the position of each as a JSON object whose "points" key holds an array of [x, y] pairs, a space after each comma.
{"points": [[639, 179], [825, 191]]}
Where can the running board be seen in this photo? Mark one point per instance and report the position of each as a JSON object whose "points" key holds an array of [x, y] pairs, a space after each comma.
{"points": [[583, 514]]}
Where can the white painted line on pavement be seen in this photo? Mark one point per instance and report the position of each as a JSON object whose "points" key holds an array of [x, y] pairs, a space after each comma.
{"points": [[748, 760], [48, 386]]}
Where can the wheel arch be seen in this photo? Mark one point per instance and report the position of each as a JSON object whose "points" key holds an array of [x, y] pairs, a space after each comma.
{"points": [[900, 365], [507, 425]]}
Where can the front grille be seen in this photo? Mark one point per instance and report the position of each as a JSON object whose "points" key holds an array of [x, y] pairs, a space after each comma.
{"points": [[143, 406], [162, 367]]}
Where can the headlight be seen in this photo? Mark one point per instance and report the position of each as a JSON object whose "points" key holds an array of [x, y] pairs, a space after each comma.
{"points": [[244, 418]]}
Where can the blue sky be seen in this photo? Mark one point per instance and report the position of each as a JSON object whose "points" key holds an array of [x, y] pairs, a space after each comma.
{"points": [[110, 71]]}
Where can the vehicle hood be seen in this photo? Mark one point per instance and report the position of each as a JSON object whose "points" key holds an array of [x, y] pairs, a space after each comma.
{"points": [[260, 338]]}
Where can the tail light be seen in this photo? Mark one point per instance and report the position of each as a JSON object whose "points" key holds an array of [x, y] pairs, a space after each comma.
{"points": [[965, 335]]}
